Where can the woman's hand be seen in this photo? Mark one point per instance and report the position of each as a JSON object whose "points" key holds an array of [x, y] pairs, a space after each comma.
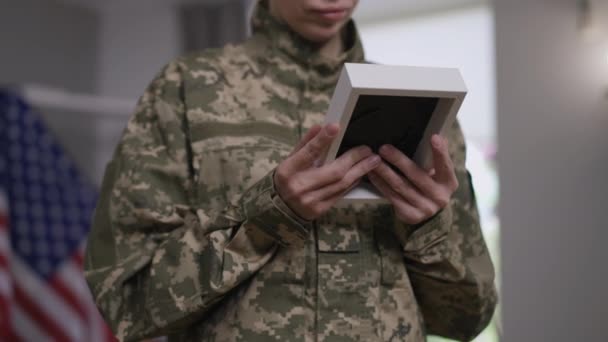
{"points": [[309, 190], [420, 194]]}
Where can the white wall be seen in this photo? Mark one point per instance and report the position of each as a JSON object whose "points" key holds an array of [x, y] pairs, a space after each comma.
{"points": [[460, 38], [386, 10], [54, 44], [552, 123], [47, 42], [137, 39]]}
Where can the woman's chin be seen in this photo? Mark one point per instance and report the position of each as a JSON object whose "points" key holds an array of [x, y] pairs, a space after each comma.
{"points": [[321, 35]]}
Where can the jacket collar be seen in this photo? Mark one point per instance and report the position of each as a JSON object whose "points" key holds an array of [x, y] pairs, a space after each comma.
{"points": [[303, 52]]}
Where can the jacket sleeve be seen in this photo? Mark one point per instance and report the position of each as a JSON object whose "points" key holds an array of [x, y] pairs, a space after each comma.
{"points": [[448, 261], [155, 262]]}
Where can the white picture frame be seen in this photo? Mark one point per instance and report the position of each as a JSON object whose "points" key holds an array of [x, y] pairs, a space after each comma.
{"points": [[445, 85]]}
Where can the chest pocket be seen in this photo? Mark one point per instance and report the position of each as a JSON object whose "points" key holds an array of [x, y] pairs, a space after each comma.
{"points": [[393, 269], [339, 258], [229, 158], [337, 231]]}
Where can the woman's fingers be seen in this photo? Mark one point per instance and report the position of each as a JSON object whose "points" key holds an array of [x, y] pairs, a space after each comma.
{"points": [[306, 156], [417, 194], [338, 170], [344, 183], [404, 210], [313, 198], [327, 203], [405, 189], [312, 132], [443, 165], [430, 186], [312, 204], [413, 172], [311, 190], [305, 188]]}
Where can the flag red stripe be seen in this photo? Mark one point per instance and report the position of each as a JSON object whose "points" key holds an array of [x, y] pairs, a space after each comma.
{"points": [[6, 328], [4, 263], [68, 296], [78, 259], [108, 334], [39, 317]]}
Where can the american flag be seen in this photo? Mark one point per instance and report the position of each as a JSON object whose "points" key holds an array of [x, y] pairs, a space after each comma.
{"points": [[45, 210]]}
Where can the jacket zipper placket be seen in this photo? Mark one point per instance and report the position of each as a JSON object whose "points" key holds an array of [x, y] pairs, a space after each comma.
{"points": [[313, 284]]}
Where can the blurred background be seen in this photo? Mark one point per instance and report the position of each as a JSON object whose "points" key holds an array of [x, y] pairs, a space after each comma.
{"points": [[536, 114]]}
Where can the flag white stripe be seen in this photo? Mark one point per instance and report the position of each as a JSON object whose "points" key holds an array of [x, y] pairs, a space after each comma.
{"points": [[97, 325], [99, 328], [5, 247], [71, 276], [3, 202], [25, 328], [5, 276], [5, 284], [46, 299]]}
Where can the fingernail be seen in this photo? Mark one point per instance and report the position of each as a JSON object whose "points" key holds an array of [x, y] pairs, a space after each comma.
{"points": [[366, 150], [331, 129], [375, 160], [385, 149], [436, 141]]}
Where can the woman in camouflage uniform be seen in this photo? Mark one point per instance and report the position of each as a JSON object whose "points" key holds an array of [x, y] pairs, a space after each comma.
{"points": [[214, 224]]}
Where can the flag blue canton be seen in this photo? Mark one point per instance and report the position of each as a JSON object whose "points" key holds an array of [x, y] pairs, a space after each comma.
{"points": [[51, 204]]}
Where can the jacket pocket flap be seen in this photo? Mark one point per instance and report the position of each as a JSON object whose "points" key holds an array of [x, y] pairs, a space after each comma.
{"points": [[337, 232]]}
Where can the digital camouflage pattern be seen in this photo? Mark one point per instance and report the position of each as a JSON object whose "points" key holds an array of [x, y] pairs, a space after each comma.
{"points": [[190, 239]]}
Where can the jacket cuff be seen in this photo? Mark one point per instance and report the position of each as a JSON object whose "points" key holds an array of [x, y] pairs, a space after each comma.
{"points": [[415, 238], [266, 212]]}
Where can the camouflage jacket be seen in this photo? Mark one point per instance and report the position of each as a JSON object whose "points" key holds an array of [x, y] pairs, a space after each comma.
{"points": [[190, 240]]}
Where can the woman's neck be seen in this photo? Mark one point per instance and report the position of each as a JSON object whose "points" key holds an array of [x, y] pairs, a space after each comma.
{"points": [[332, 48]]}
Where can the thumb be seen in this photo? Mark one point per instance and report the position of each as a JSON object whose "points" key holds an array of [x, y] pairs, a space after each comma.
{"points": [[442, 162], [310, 134]]}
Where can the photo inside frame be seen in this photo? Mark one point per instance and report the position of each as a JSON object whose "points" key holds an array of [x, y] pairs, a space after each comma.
{"points": [[397, 120]]}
